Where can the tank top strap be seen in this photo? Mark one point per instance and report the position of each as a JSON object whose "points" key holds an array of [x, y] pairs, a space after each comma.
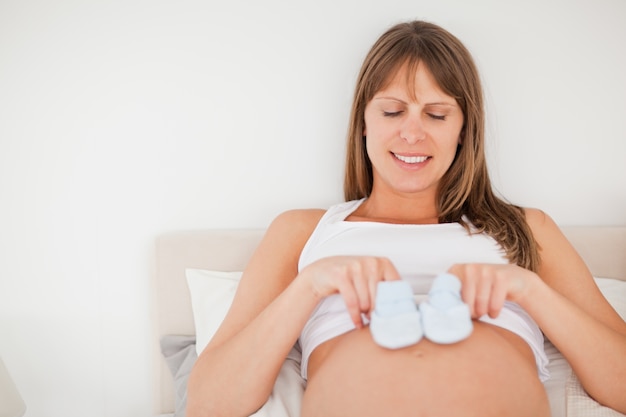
{"points": [[339, 212]]}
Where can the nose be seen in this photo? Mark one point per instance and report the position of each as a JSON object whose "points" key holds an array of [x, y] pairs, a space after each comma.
{"points": [[412, 130]]}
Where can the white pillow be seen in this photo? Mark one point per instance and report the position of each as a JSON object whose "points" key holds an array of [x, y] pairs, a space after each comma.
{"points": [[614, 290], [212, 293]]}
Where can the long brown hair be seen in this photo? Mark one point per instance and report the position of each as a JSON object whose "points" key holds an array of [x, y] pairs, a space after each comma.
{"points": [[465, 189]]}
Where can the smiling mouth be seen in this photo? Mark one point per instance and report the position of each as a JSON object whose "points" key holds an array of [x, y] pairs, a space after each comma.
{"points": [[411, 159]]}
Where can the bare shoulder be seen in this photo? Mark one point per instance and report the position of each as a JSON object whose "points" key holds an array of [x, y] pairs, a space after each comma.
{"points": [[562, 268], [547, 233], [290, 230], [539, 220], [273, 266], [297, 221], [278, 253], [554, 248]]}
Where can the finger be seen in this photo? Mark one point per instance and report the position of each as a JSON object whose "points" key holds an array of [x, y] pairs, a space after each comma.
{"points": [[348, 292], [373, 288], [483, 295], [498, 296], [468, 286], [388, 271], [362, 289], [366, 284]]}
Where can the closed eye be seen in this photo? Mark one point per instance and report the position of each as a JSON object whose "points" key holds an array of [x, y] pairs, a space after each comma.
{"points": [[437, 116], [392, 113]]}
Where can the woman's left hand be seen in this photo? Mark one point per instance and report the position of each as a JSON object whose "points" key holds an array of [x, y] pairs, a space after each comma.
{"points": [[485, 287]]}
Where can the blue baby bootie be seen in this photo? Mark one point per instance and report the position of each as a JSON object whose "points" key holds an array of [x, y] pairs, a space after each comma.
{"points": [[396, 321], [446, 318]]}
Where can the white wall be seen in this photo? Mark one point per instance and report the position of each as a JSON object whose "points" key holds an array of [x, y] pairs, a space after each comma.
{"points": [[120, 120]]}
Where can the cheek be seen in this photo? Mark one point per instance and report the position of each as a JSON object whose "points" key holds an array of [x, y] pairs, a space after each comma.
{"points": [[453, 147], [449, 146], [373, 149]]}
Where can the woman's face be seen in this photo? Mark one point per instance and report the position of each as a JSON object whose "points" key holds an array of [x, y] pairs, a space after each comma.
{"points": [[412, 133]]}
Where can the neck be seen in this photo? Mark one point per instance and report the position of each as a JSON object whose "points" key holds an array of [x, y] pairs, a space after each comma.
{"points": [[397, 209]]}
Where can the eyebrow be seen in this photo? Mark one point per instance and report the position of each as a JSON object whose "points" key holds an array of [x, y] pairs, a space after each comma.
{"points": [[436, 103]]}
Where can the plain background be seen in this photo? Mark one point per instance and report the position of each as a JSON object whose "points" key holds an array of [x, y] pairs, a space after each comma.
{"points": [[122, 120]]}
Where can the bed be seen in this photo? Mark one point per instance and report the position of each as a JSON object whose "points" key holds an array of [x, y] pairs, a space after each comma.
{"points": [[197, 272]]}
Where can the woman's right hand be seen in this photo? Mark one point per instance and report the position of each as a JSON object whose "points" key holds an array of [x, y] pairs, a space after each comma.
{"points": [[354, 277]]}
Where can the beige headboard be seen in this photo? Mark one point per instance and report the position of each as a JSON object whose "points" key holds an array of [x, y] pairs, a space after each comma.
{"points": [[603, 248]]}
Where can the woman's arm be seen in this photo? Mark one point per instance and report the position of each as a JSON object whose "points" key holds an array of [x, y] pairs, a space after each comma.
{"points": [[575, 316], [565, 302], [235, 373]]}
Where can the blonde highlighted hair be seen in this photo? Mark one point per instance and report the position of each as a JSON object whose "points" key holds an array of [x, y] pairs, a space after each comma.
{"points": [[465, 189]]}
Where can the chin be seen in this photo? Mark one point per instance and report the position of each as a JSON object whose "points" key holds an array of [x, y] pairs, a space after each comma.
{"points": [[413, 188]]}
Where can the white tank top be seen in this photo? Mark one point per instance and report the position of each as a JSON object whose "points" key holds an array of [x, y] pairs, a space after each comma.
{"points": [[419, 253]]}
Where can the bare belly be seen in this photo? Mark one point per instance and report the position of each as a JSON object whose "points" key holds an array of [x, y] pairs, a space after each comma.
{"points": [[492, 373]]}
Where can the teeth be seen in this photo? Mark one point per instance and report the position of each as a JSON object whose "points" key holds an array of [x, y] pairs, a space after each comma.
{"points": [[411, 159]]}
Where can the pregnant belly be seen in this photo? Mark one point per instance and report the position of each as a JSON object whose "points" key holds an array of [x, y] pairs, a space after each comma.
{"points": [[492, 373]]}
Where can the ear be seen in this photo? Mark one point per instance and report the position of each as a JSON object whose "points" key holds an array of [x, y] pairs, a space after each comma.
{"points": [[461, 136]]}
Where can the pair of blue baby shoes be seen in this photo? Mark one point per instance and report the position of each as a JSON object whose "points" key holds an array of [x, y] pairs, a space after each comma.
{"points": [[398, 322]]}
